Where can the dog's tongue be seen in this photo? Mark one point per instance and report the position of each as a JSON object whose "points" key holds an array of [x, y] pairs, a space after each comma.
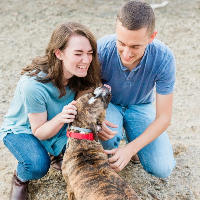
{"points": [[108, 86]]}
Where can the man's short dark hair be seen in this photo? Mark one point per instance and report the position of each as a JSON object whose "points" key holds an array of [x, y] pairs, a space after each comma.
{"points": [[135, 15]]}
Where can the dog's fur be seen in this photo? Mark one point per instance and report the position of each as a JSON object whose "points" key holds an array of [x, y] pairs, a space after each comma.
{"points": [[85, 166]]}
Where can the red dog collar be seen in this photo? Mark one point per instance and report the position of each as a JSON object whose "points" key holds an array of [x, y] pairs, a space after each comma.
{"points": [[82, 136]]}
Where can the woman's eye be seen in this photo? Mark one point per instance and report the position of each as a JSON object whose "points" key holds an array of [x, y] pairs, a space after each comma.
{"points": [[78, 54]]}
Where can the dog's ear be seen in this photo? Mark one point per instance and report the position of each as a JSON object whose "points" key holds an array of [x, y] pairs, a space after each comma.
{"points": [[93, 127]]}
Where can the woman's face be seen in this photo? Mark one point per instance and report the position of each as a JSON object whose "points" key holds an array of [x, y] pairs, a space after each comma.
{"points": [[76, 57]]}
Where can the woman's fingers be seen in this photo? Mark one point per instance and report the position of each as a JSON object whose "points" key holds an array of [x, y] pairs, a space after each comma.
{"points": [[70, 106], [68, 113]]}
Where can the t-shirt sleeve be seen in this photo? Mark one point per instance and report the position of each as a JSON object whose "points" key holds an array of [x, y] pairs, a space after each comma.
{"points": [[33, 96], [166, 76]]}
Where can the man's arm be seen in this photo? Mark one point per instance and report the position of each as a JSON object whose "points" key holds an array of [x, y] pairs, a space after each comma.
{"points": [[123, 155], [161, 122]]}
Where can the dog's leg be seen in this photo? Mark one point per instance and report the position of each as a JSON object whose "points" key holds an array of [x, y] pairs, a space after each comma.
{"points": [[70, 192]]}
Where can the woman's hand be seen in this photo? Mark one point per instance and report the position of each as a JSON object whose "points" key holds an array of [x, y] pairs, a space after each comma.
{"points": [[107, 133], [68, 112]]}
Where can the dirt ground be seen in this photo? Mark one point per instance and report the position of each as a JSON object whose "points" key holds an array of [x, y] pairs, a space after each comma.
{"points": [[25, 29]]}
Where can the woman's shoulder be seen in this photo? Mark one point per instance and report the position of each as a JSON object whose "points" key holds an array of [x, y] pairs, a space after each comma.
{"points": [[29, 85], [28, 82]]}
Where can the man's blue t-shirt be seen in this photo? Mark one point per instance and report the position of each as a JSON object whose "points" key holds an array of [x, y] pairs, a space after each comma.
{"points": [[157, 67], [32, 96]]}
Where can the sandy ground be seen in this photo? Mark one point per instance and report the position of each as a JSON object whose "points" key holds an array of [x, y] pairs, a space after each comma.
{"points": [[25, 29]]}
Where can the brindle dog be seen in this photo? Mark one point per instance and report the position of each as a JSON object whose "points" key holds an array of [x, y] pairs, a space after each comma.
{"points": [[85, 166]]}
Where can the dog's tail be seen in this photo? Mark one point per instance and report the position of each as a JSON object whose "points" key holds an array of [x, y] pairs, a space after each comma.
{"points": [[154, 196]]}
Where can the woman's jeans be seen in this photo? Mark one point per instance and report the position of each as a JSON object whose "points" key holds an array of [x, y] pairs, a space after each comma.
{"points": [[157, 157], [33, 159]]}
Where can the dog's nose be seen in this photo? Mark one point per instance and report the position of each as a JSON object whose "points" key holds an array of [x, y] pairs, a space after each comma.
{"points": [[107, 86]]}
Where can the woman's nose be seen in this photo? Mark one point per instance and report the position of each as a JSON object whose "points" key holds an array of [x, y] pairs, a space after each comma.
{"points": [[86, 59]]}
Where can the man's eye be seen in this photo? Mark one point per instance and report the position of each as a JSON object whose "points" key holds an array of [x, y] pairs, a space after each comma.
{"points": [[136, 47]]}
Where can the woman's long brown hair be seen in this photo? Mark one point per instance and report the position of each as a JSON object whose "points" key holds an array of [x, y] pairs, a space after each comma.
{"points": [[52, 66]]}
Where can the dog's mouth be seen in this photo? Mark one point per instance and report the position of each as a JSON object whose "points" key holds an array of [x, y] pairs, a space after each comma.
{"points": [[107, 86]]}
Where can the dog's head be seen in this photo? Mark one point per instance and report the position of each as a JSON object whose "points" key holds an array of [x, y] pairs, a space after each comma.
{"points": [[91, 109], [104, 93]]}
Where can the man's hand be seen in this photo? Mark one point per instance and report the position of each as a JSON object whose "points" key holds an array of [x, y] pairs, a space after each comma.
{"points": [[107, 133], [121, 157]]}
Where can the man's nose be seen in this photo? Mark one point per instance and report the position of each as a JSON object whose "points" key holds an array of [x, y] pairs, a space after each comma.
{"points": [[127, 52]]}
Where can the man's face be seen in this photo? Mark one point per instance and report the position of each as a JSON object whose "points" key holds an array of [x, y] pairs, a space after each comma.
{"points": [[131, 44]]}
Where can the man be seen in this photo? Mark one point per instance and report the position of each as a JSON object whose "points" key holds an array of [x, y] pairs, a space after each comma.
{"points": [[133, 63]]}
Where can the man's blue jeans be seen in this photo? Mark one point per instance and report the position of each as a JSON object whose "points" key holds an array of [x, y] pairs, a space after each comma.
{"points": [[157, 157], [33, 159]]}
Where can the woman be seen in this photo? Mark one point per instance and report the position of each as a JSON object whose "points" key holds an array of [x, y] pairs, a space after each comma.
{"points": [[43, 103]]}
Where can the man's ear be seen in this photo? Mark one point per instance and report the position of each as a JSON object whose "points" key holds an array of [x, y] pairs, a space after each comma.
{"points": [[58, 54], [152, 37]]}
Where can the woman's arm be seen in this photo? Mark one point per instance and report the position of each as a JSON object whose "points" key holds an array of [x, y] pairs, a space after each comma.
{"points": [[44, 129]]}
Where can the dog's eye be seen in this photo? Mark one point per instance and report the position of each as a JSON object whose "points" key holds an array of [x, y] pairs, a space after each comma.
{"points": [[80, 154]]}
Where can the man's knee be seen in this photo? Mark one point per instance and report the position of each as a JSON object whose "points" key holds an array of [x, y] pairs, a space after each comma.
{"points": [[161, 171]]}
